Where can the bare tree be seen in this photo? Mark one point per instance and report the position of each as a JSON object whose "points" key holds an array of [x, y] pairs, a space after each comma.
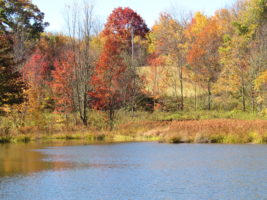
{"points": [[81, 26]]}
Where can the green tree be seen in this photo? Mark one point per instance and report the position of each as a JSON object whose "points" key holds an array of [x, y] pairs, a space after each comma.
{"points": [[24, 22]]}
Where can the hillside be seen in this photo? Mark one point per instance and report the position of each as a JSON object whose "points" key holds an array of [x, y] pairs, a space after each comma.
{"points": [[164, 81]]}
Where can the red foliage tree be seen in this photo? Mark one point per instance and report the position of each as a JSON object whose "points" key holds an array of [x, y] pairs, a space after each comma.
{"points": [[37, 71], [62, 84], [36, 68], [110, 79], [34, 73], [122, 20], [108, 76]]}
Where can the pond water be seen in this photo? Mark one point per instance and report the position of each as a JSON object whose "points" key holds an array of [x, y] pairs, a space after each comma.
{"points": [[132, 171]]}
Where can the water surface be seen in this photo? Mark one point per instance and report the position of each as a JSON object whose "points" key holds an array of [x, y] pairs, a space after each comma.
{"points": [[132, 171]]}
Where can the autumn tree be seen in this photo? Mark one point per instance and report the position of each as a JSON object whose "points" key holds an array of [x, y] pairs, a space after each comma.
{"points": [[113, 84], [192, 31], [226, 89], [255, 18], [34, 73], [242, 53], [37, 71], [261, 87], [203, 53], [62, 84], [235, 59], [168, 39], [131, 30]]}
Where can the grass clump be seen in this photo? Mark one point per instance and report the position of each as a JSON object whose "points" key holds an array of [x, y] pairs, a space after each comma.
{"points": [[175, 140], [99, 137], [5, 139], [216, 139], [23, 138]]}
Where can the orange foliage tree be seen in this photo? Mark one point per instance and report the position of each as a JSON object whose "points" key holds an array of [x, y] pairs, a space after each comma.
{"points": [[168, 39], [203, 54]]}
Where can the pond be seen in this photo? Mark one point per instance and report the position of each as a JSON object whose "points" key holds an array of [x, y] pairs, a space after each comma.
{"points": [[132, 171]]}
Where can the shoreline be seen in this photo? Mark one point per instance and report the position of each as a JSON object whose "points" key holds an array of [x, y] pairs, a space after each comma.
{"points": [[213, 131]]}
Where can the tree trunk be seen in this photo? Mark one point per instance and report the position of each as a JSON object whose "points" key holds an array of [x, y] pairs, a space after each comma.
{"points": [[84, 120], [111, 118], [84, 110], [181, 87], [195, 97], [243, 95], [209, 95], [253, 99], [134, 73]]}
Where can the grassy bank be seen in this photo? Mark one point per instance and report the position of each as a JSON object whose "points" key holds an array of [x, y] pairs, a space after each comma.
{"points": [[85, 136], [177, 127]]}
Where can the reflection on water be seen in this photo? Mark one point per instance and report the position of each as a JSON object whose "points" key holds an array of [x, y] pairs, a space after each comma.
{"points": [[134, 171], [20, 159], [23, 159]]}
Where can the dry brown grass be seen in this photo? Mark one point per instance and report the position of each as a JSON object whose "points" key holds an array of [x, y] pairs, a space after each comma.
{"points": [[213, 131]]}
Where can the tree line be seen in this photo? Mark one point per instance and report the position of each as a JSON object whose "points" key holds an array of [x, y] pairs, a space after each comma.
{"points": [[221, 59]]}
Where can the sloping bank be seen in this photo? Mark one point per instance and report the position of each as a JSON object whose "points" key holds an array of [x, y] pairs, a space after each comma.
{"points": [[229, 131]]}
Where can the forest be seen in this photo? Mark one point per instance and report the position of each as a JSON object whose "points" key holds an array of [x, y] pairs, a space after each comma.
{"points": [[191, 77]]}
